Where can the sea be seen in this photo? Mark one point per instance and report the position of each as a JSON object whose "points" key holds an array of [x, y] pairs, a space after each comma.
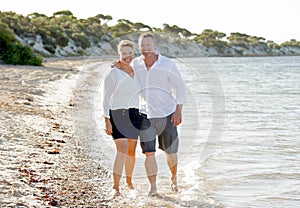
{"points": [[239, 139]]}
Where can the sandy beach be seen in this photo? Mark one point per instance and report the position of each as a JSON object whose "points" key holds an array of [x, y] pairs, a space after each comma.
{"points": [[42, 165]]}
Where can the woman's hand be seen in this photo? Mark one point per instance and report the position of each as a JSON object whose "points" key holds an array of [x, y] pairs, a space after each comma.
{"points": [[108, 126]]}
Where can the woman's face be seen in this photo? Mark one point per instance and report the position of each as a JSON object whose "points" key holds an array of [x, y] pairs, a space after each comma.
{"points": [[126, 54]]}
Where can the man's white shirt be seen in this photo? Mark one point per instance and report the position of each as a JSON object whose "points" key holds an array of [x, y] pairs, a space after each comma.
{"points": [[162, 87]]}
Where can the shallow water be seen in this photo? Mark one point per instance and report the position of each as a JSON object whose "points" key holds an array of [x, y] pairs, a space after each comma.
{"points": [[256, 160], [239, 141]]}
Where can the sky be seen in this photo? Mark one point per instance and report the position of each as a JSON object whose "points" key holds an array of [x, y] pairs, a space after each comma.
{"points": [[276, 20]]}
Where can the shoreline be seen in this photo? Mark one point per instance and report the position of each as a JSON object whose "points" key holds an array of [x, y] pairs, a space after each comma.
{"points": [[112, 58]]}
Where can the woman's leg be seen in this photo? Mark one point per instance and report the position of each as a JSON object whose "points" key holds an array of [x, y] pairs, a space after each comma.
{"points": [[121, 146], [130, 161]]}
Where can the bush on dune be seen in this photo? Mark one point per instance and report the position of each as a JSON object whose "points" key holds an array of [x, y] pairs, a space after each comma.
{"points": [[12, 52], [17, 54]]}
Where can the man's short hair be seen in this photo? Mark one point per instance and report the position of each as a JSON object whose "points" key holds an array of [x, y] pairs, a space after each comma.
{"points": [[145, 35]]}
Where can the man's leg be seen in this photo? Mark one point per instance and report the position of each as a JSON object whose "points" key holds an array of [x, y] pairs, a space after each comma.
{"points": [[168, 142], [148, 142], [172, 160]]}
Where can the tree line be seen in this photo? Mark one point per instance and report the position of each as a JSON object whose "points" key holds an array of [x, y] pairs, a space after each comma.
{"points": [[62, 26]]}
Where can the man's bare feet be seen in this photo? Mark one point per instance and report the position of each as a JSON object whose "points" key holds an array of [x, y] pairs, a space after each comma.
{"points": [[152, 192], [174, 186]]}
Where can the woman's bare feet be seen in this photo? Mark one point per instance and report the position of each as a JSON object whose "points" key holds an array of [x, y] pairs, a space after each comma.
{"points": [[116, 193], [130, 185], [129, 182]]}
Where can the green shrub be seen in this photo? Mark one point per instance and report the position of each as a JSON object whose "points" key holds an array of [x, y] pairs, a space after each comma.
{"points": [[291, 43], [13, 52], [80, 52], [61, 40], [6, 37], [57, 33], [17, 54], [81, 39], [50, 48]]}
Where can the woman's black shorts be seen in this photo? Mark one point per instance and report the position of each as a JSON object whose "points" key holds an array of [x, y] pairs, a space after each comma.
{"points": [[126, 123]]}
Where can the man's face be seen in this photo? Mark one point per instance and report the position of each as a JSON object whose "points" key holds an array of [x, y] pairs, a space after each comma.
{"points": [[146, 46]]}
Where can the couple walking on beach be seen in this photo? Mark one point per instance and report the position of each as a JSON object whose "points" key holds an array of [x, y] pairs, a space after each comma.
{"points": [[138, 100]]}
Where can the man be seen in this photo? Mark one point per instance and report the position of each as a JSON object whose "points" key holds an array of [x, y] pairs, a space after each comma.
{"points": [[161, 111]]}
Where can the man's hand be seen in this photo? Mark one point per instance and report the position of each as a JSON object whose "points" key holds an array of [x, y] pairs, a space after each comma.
{"points": [[116, 64], [177, 117]]}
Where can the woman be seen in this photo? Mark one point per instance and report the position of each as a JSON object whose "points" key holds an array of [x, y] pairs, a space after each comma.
{"points": [[120, 110]]}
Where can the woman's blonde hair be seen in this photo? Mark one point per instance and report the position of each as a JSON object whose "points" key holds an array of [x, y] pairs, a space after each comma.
{"points": [[123, 43]]}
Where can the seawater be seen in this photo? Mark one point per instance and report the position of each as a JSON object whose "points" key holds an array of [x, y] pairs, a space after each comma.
{"points": [[254, 161], [240, 136]]}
